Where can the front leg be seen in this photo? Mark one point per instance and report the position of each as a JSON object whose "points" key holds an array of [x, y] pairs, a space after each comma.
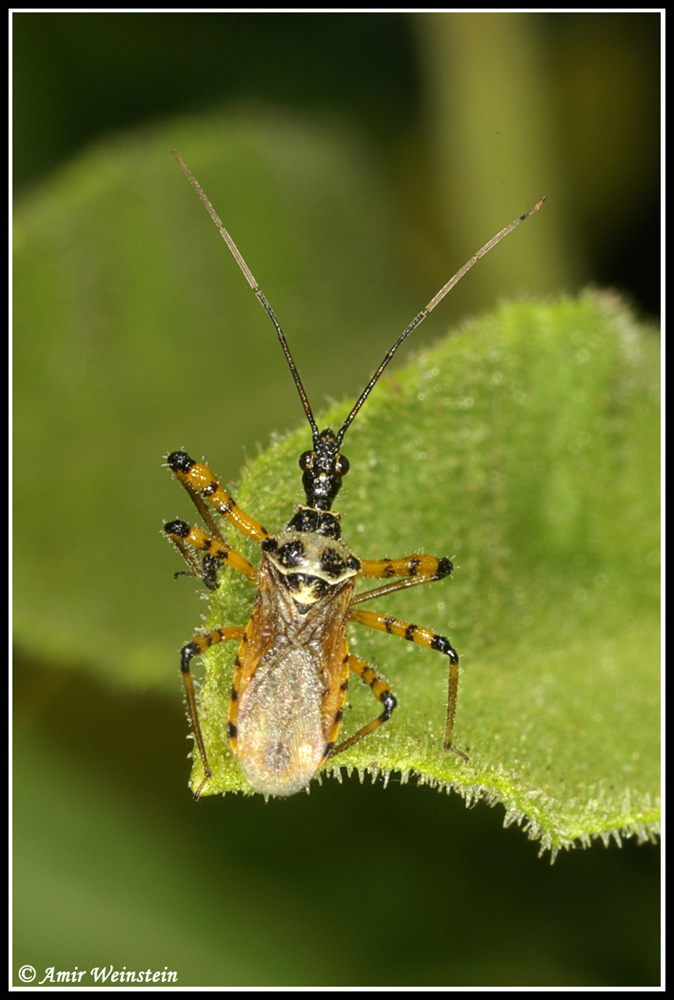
{"points": [[415, 569], [200, 482]]}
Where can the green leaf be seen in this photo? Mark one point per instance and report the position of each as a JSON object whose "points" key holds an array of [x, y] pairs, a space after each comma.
{"points": [[526, 449]]}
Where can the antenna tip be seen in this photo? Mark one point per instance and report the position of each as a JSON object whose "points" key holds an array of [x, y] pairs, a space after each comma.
{"points": [[531, 211]]}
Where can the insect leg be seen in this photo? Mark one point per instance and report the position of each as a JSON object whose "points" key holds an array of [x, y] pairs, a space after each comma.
{"points": [[216, 552], [201, 484], [423, 637], [196, 647], [382, 693], [415, 568]]}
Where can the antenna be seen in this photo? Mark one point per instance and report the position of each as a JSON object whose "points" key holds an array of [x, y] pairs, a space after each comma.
{"points": [[248, 274], [429, 309]]}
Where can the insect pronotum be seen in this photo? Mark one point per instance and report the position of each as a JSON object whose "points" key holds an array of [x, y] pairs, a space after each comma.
{"points": [[293, 662]]}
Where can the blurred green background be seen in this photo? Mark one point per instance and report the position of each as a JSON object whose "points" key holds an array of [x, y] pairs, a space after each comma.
{"points": [[358, 160]]}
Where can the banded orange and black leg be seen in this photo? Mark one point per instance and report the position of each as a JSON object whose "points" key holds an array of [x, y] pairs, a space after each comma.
{"points": [[198, 645], [423, 637], [216, 552], [200, 483], [414, 569], [382, 692]]}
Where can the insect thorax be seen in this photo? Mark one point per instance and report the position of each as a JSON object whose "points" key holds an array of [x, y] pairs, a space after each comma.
{"points": [[310, 556]]}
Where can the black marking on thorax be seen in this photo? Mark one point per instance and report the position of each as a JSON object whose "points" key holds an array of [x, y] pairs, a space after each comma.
{"points": [[310, 556]]}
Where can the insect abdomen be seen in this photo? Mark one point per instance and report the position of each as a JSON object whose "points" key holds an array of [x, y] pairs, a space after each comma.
{"points": [[279, 738]]}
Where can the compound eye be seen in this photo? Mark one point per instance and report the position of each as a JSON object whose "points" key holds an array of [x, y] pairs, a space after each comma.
{"points": [[343, 465], [306, 460]]}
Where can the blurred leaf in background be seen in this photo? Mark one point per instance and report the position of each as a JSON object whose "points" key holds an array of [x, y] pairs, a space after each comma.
{"points": [[325, 142]]}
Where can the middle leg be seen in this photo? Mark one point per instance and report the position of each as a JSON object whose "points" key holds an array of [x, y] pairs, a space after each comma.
{"points": [[423, 637], [217, 552]]}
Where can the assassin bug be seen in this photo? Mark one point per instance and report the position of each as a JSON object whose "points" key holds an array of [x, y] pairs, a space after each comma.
{"points": [[293, 662]]}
